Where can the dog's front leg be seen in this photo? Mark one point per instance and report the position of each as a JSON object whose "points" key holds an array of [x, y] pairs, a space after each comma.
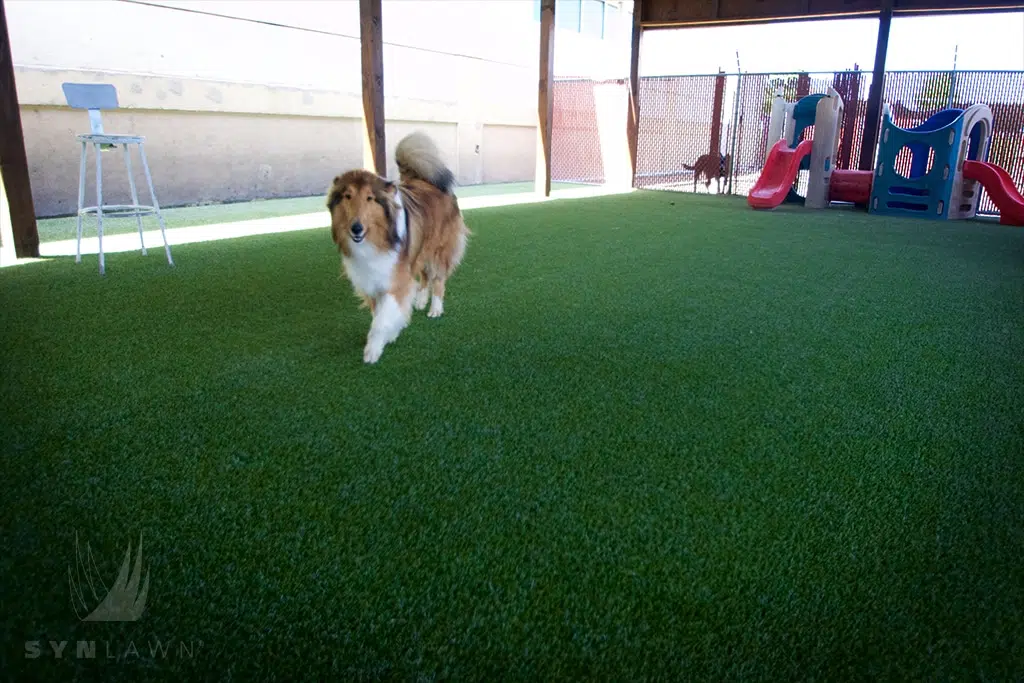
{"points": [[436, 298], [422, 291], [389, 319]]}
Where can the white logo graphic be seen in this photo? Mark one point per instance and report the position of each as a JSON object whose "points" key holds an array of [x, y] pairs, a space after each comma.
{"points": [[123, 602]]}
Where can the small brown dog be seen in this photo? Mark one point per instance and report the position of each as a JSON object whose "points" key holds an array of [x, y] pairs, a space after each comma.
{"points": [[710, 166], [391, 234]]}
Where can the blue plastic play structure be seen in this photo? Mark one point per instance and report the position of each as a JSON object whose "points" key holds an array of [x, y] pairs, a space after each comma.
{"points": [[934, 186]]}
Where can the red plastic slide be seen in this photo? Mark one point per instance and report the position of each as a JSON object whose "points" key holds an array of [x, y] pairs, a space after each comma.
{"points": [[777, 176], [999, 185]]}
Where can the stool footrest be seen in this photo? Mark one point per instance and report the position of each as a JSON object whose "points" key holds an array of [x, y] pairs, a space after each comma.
{"points": [[121, 210]]}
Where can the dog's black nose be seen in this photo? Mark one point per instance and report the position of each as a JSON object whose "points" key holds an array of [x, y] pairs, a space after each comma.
{"points": [[357, 228]]}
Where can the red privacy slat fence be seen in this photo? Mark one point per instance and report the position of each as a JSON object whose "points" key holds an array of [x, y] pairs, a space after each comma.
{"points": [[684, 117]]}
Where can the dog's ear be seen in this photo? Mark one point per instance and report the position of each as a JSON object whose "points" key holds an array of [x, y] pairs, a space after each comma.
{"points": [[333, 199], [387, 198], [337, 232]]}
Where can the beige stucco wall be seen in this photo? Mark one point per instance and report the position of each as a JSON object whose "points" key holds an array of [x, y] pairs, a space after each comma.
{"points": [[508, 153], [234, 108], [193, 157], [209, 141]]}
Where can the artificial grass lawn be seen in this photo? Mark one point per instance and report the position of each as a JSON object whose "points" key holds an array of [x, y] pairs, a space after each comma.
{"points": [[654, 436], [66, 227]]}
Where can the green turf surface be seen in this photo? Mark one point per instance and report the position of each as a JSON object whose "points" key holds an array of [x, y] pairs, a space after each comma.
{"points": [[66, 227], [654, 436]]}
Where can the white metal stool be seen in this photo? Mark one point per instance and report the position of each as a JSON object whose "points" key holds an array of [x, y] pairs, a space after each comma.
{"points": [[95, 97]]}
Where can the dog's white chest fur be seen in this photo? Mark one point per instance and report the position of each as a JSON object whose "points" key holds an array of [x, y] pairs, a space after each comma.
{"points": [[369, 269]]}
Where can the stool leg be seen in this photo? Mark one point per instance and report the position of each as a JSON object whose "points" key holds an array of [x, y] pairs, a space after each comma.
{"points": [[135, 195], [81, 203], [99, 203], [156, 205]]}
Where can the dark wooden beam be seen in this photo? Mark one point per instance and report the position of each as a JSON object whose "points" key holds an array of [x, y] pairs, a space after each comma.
{"points": [[945, 6], [371, 37], [545, 96], [911, 11], [675, 13], [873, 112], [654, 26], [715, 146], [633, 115], [670, 11], [803, 85], [848, 86], [681, 13], [13, 159]]}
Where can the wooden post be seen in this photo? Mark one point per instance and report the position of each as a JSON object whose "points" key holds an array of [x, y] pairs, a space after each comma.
{"points": [[633, 116], [13, 159], [545, 100], [873, 116], [852, 104], [715, 148], [803, 85], [371, 38]]}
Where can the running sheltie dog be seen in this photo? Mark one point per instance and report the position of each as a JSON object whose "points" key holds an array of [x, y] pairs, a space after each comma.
{"points": [[399, 242]]}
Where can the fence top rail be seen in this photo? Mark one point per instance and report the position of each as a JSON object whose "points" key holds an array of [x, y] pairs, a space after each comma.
{"points": [[889, 72], [754, 73], [584, 79]]}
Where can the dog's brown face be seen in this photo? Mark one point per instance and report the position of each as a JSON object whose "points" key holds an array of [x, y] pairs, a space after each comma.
{"points": [[362, 206]]}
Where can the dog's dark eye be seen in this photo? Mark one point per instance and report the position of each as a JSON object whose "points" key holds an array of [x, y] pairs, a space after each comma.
{"points": [[348, 195]]}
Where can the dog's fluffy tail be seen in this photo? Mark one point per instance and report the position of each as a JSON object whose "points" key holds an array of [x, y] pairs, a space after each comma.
{"points": [[417, 156], [689, 168]]}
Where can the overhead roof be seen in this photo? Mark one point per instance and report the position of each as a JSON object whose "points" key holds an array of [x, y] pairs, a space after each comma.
{"points": [[680, 13]]}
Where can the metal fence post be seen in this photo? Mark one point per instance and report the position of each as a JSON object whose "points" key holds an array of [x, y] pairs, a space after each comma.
{"points": [[734, 133], [952, 77]]}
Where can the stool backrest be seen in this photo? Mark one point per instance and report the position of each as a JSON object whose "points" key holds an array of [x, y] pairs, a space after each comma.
{"points": [[91, 96]]}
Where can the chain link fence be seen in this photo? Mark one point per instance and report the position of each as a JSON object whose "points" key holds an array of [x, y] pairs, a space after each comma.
{"points": [[676, 128], [709, 133], [576, 153]]}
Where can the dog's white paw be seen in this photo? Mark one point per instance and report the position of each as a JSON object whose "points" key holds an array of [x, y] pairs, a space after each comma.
{"points": [[436, 309], [372, 353], [422, 297]]}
